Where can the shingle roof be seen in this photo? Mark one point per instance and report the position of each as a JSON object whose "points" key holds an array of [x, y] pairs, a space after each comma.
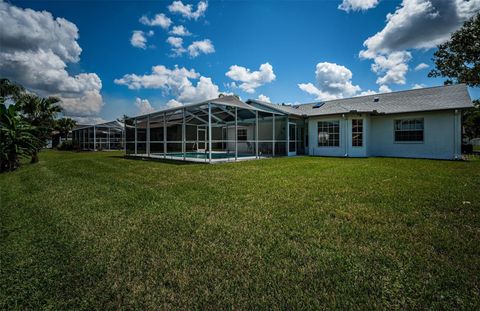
{"points": [[426, 99], [281, 108]]}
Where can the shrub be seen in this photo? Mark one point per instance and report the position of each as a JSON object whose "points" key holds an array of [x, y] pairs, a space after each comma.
{"points": [[467, 148], [66, 146]]}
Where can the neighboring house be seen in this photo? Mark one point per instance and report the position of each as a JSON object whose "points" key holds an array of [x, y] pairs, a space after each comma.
{"points": [[104, 136], [57, 139], [421, 123]]}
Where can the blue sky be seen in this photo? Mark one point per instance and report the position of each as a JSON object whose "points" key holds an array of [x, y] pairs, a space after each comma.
{"points": [[310, 51]]}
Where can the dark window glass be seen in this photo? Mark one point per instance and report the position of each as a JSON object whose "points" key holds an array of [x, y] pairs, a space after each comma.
{"points": [[357, 132], [242, 134], [329, 133], [409, 130]]}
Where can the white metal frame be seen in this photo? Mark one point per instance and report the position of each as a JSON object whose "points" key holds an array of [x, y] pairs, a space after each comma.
{"points": [[201, 141], [292, 153]]}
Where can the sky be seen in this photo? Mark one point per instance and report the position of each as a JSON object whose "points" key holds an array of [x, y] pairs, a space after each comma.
{"points": [[105, 59]]}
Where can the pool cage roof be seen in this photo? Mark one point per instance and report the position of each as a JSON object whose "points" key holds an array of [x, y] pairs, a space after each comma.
{"points": [[112, 125], [102, 136], [178, 132], [228, 101]]}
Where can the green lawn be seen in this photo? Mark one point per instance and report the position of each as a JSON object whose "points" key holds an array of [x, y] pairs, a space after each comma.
{"points": [[97, 231]]}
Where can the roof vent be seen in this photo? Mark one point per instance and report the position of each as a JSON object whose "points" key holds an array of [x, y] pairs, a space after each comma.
{"points": [[376, 99], [317, 105]]}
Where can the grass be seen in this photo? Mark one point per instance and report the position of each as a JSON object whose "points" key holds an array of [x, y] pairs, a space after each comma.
{"points": [[97, 231]]}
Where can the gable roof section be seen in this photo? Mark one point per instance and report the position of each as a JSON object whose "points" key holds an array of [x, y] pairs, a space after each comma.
{"points": [[426, 99], [280, 108]]}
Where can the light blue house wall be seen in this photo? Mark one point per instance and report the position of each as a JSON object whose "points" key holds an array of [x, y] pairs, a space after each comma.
{"points": [[345, 148], [442, 136], [314, 149]]}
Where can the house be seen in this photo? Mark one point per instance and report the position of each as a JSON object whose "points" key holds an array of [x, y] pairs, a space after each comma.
{"points": [[104, 136], [421, 123]]}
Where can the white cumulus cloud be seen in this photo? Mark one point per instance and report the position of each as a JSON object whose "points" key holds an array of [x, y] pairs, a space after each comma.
{"points": [[384, 89], [264, 98], [250, 80], [143, 106], [180, 31], [333, 81], [199, 47], [176, 44], [421, 66], [176, 82], [172, 103], [35, 50], [421, 24], [159, 20], [415, 24], [187, 10], [393, 66], [139, 38], [367, 92], [418, 86], [358, 5]]}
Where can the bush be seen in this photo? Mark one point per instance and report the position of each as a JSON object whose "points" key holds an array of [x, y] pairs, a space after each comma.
{"points": [[66, 146], [467, 148]]}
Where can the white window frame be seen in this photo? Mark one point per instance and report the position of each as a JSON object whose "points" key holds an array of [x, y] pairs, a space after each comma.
{"points": [[406, 130], [339, 132], [358, 133]]}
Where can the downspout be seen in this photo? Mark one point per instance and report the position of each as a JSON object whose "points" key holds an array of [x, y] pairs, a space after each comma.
{"points": [[345, 121], [455, 149]]}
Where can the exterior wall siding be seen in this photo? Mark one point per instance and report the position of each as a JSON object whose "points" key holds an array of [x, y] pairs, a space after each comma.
{"points": [[345, 148], [442, 136]]}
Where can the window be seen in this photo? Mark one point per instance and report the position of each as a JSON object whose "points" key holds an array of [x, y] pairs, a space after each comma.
{"points": [[329, 133], [242, 134], [357, 132], [409, 130]]}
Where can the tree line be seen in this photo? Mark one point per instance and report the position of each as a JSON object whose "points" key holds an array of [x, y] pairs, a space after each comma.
{"points": [[26, 124]]}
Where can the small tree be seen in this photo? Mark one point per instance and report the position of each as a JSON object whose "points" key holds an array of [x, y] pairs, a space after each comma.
{"points": [[16, 138], [471, 121], [64, 126], [458, 60], [40, 113], [125, 120]]}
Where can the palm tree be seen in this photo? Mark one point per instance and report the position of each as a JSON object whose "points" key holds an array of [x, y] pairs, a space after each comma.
{"points": [[9, 90], [40, 113], [64, 126], [125, 119], [16, 138]]}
